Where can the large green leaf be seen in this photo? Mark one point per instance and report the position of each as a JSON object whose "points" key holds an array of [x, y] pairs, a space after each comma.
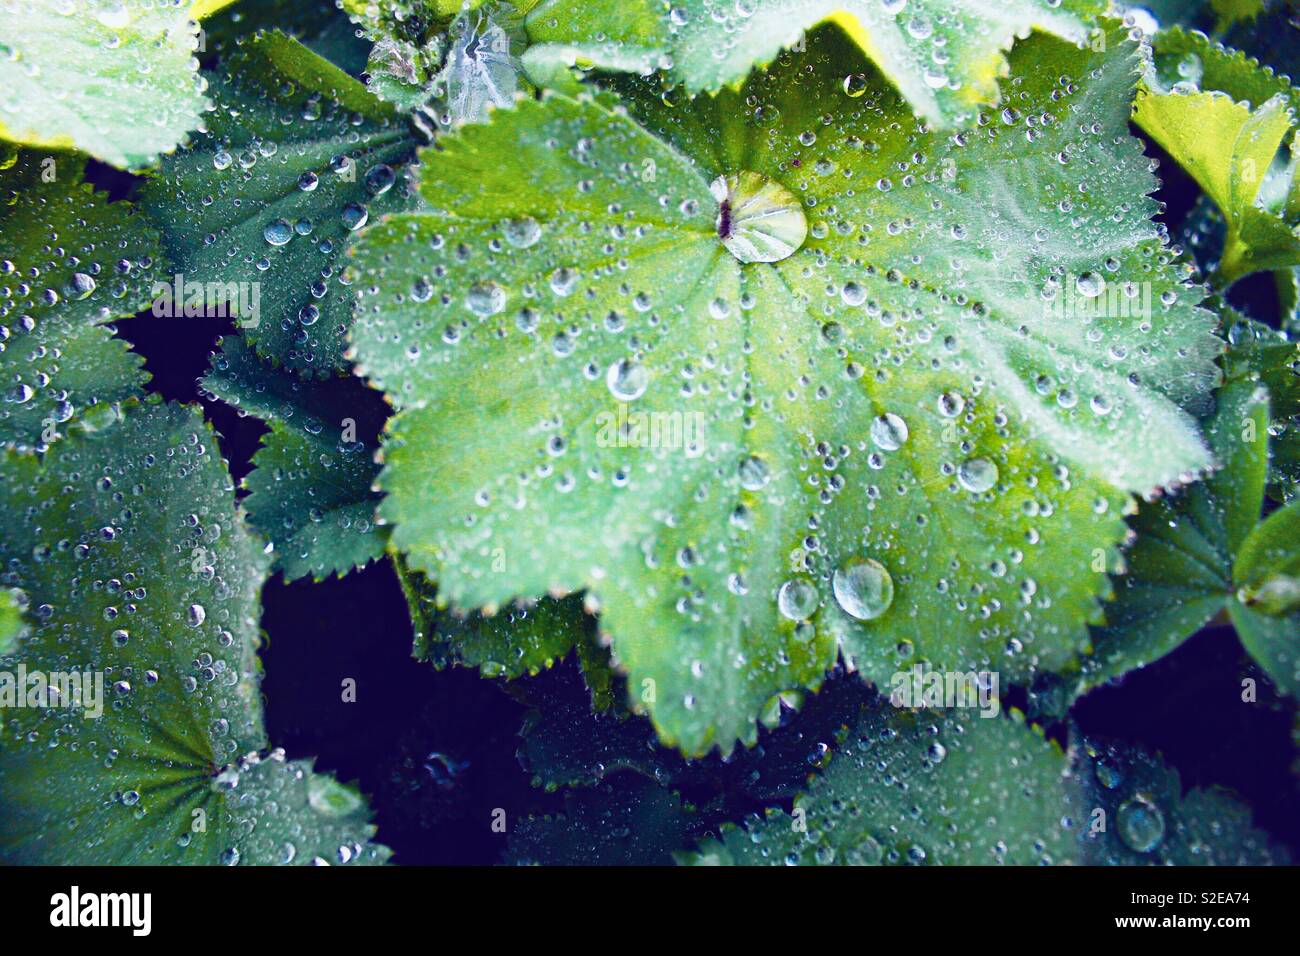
{"points": [[906, 787], [114, 78], [796, 400], [944, 56], [915, 788], [310, 488], [141, 575], [70, 261], [913, 405], [295, 157]]}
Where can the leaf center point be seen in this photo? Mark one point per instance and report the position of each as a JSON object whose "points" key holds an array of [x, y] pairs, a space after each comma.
{"points": [[759, 220]]}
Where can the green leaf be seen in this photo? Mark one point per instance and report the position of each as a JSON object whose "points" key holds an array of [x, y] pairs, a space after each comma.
{"points": [[1266, 612], [296, 156], [517, 641], [944, 56], [72, 261], [113, 78], [639, 824], [1259, 353], [143, 583], [1130, 810], [1179, 571], [1204, 552], [319, 24], [916, 788], [564, 742], [310, 488], [1231, 12], [894, 411], [13, 628], [1271, 37], [908, 788], [1224, 121], [1188, 60]]}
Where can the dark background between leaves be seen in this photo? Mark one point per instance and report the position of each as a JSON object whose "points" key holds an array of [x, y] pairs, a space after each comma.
{"points": [[436, 751]]}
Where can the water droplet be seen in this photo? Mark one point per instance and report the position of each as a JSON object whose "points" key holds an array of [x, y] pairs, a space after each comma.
{"points": [[1090, 285], [80, 286], [863, 588], [754, 473], [797, 600], [951, 404], [627, 381], [977, 474], [758, 219], [277, 232], [380, 179], [888, 432], [1141, 824], [354, 216], [522, 233], [485, 299]]}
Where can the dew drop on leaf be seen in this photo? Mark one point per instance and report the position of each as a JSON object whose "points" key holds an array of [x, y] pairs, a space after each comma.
{"points": [[759, 220], [797, 600], [1141, 824], [977, 474], [863, 588]]}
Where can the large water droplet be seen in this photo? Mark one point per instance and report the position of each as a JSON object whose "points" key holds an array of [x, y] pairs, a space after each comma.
{"points": [[627, 381], [863, 588], [797, 600], [485, 299], [888, 432], [278, 232], [977, 474], [758, 219], [521, 233], [754, 473]]}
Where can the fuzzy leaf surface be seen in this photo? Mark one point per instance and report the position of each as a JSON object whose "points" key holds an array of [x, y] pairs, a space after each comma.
{"points": [[72, 261], [296, 157], [944, 56], [310, 488], [141, 574], [117, 79], [915, 386]]}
